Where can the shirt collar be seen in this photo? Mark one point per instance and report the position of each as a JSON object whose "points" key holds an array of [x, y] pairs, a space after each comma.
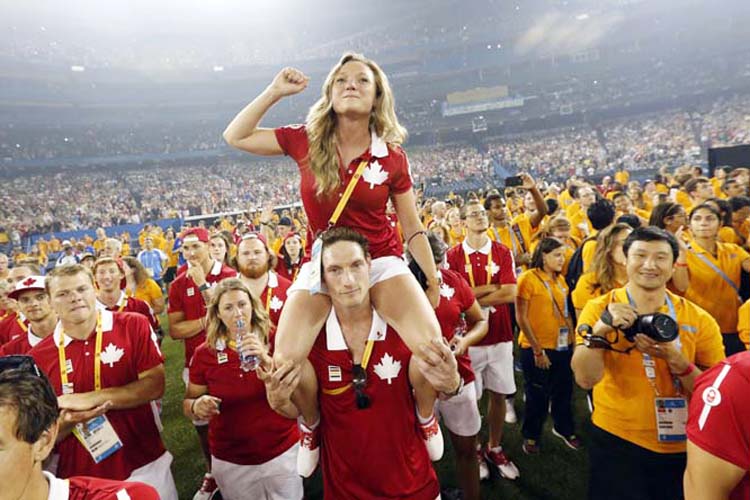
{"points": [[32, 339], [216, 268], [122, 300], [484, 250], [378, 147], [107, 324], [273, 280], [59, 489], [335, 337]]}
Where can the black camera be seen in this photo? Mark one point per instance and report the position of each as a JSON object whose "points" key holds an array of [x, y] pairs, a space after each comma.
{"points": [[658, 326]]}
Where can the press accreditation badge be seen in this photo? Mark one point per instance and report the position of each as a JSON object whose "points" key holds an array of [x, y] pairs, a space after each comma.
{"points": [[671, 419], [98, 437], [315, 264], [563, 336]]}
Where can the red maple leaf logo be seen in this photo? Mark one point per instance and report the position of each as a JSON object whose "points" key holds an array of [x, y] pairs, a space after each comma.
{"points": [[28, 282]]}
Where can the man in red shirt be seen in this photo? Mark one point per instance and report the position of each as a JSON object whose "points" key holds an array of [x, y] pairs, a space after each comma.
{"points": [[370, 445], [489, 269], [28, 441], [33, 302], [111, 360], [188, 295], [108, 274], [256, 264], [17, 325], [718, 430]]}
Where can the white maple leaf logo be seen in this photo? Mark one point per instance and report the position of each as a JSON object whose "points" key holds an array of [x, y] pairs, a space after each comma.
{"points": [[374, 174], [388, 369], [112, 354], [492, 268], [446, 291], [276, 303]]}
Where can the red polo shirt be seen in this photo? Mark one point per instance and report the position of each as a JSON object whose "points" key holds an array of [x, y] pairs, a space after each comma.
{"points": [[456, 297]]}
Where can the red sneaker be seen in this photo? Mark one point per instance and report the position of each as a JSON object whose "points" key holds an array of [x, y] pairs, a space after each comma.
{"points": [[433, 438], [208, 488], [506, 468], [309, 450]]}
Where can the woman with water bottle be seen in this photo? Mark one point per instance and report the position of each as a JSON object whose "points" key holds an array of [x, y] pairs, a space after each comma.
{"points": [[253, 448]]}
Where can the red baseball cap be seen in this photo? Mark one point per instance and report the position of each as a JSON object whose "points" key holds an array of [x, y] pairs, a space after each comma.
{"points": [[198, 232], [30, 283], [255, 236]]}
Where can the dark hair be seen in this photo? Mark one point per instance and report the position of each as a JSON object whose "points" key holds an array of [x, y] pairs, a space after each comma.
{"points": [[284, 254], [552, 205], [724, 208], [488, 201], [739, 202], [705, 206], [631, 220], [601, 213], [437, 245], [652, 233], [344, 234], [661, 212], [33, 401], [545, 246], [619, 194], [692, 184]]}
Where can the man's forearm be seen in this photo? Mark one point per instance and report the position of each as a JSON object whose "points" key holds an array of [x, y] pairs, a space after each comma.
{"points": [[186, 329], [131, 395], [504, 295]]}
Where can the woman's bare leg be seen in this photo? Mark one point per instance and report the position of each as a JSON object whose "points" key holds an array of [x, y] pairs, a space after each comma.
{"points": [[402, 303]]}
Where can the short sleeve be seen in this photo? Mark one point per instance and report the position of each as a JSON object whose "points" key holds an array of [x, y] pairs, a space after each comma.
{"points": [[507, 267], [197, 369], [401, 179], [465, 295], [293, 141], [175, 297], [154, 291], [453, 260], [525, 287], [149, 355], [582, 291], [719, 418], [709, 347]]}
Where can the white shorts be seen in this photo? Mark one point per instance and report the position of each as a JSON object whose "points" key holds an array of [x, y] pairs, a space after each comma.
{"points": [[186, 379], [382, 269], [460, 413], [493, 367], [276, 479], [158, 475]]}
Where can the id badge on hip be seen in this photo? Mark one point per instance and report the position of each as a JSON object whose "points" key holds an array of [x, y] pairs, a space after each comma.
{"points": [[563, 336], [98, 437], [671, 419]]}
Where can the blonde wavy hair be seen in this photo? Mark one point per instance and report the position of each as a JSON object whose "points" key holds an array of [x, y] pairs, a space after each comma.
{"points": [[321, 124], [603, 265], [216, 330]]}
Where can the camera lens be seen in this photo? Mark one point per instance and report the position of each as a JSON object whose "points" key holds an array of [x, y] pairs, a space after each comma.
{"points": [[662, 328]]}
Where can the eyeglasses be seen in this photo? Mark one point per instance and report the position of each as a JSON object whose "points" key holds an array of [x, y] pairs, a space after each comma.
{"points": [[20, 363], [359, 381]]}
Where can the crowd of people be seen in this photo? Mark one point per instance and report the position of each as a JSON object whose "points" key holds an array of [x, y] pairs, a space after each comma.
{"points": [[305, 329]]}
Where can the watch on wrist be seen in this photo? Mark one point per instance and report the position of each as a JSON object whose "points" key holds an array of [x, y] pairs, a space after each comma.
{"points": [[204, 287], [448, 395]]}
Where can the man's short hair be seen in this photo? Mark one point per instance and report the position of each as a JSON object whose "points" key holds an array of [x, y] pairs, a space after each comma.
{"points": [[103, 261], [692, 185], [345, 234], [601, 213], [739, 202], [488, 201], [631, 220], [67, 270], [30, 397], [31, 266], [652, 233]]}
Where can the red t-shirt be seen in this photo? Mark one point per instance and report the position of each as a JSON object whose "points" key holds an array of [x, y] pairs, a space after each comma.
{"points": [[12, 327], [274, 303], [243, 400], [93, 488], [501, 271], [20, 345], [376, 452], [456, 297], [387, 174], [134, 305], [290, 272], [128, 348], [719, 419], [185, 297]]}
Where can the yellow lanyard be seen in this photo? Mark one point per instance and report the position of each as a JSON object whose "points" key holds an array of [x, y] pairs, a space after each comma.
{"points": [[470, 269], [294, 276], [22, 325], [269, 292], [97, 357], [347, 194], [365, 360]]}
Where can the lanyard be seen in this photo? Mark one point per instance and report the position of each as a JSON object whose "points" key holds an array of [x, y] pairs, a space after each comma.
{"points": [[269, 292], [365, 361], [470, 269], [516, 229], [22, 325], [97, 357], [649, 364], [512, 237], [557, 309], [717, 270], [296, 271], [347, 193]]}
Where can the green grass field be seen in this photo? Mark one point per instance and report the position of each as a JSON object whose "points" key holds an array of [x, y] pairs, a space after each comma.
{"points": [[556, 473]]}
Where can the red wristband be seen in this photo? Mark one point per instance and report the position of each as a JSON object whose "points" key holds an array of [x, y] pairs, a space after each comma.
{"points": [[690, 369], [680, 264]]}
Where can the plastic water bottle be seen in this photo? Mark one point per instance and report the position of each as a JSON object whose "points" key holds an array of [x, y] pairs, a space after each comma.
{"points": [[460, 329], [248, 362]]}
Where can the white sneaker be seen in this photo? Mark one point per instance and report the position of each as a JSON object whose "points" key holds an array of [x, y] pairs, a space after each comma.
{"points": [[208, 488], [507, 469], [308, 455], [510, 412], [484, 470], [433, 438]]}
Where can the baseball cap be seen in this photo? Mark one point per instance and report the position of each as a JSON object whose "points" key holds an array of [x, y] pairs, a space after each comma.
{"points": [[30, 283], [198, 232], [255, 236], [285, 221], [67, 243]]}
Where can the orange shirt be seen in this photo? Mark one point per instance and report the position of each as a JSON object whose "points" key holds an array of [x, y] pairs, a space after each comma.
{"points": [[148, 291], [708, 289], [727, 234], [622, 177], [743, 324], [587, 289], [684, 199], [624, 397], [578, 218], [544, 316]]}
